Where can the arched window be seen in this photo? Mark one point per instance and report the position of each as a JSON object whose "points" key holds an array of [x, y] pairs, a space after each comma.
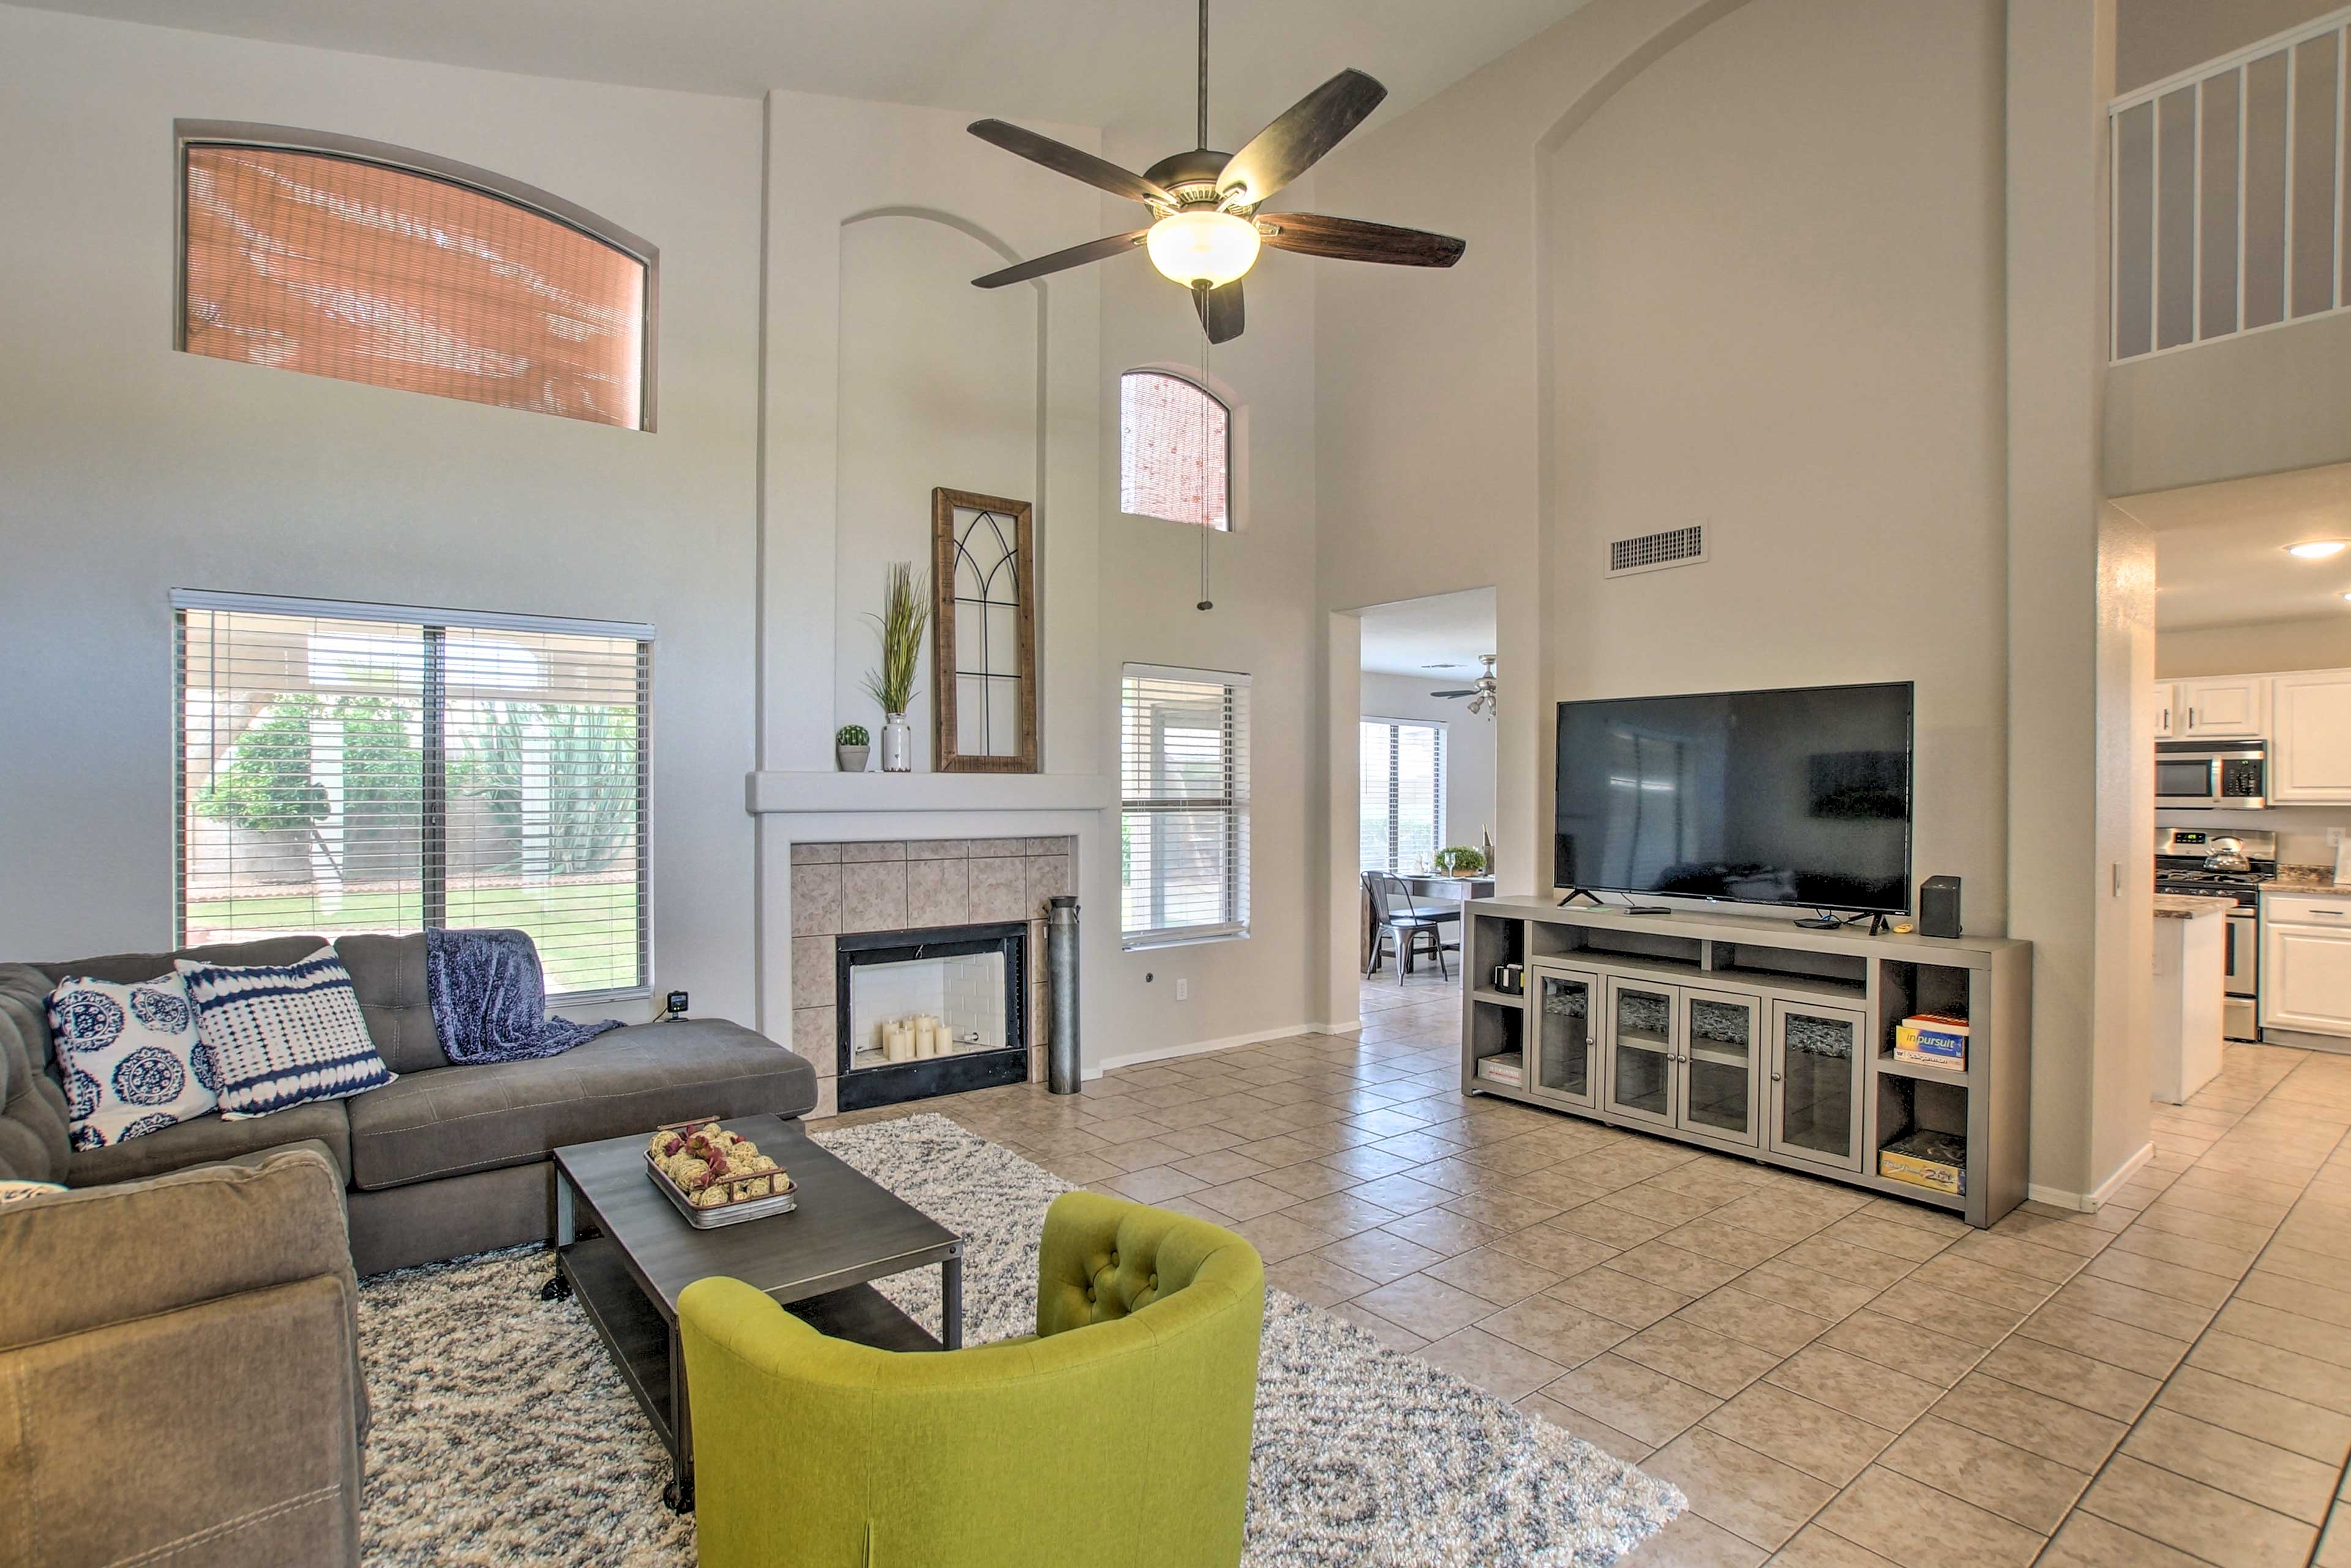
{"points": [[1174, 450], [374, 264]]}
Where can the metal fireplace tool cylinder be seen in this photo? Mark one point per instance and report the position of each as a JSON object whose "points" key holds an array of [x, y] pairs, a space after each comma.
{"points": [[1061, 974]]}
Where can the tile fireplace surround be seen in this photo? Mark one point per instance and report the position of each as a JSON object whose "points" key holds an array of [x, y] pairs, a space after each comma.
{"points": [[916, 885]]}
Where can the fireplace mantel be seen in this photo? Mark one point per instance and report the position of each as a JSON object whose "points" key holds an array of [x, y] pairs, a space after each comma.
{"points": [[779, 793]]}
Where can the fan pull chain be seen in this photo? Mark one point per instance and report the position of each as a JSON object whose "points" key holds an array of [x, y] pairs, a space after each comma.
{"points": [[1205, 604]]}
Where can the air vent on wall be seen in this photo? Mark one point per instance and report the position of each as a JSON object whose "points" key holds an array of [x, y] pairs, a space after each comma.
{"points": [[1655, 552]]}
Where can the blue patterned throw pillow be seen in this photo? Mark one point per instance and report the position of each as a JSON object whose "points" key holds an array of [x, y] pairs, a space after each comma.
{"points": [[131, 1057], [283, 1035]]}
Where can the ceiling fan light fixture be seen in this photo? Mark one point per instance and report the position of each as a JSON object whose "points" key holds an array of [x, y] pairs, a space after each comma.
{"points": [[1203, 245], [2315, 549]]}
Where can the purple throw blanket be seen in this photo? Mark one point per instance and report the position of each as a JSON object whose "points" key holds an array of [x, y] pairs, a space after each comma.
{"points": [[489, 998]]}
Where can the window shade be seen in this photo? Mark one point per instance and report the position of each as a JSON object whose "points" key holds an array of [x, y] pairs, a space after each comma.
{"points": [[1184, 787], [340, 267], [341, 771], [1402, 820], [1175, 448]]}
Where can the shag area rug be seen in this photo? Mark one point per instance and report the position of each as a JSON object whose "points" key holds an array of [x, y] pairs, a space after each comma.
{"points": [[502, 1434]]}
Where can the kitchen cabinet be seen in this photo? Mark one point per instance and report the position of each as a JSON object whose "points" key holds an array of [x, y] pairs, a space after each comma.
{"points": [[2166, 694], [1817, 1064], [2236, 706], [2310, 748], [2306, 963]]}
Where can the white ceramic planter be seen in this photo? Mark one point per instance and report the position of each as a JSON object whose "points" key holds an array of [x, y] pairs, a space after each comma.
{"points": [[897, 745], [850, 759]]}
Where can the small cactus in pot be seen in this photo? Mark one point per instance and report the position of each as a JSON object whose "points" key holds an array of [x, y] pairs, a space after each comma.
{"points": [[850, 744]]}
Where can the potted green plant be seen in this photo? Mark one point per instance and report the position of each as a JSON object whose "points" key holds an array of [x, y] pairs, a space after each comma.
{"points": [[850, 746], [905, 611], [1459, 859]]}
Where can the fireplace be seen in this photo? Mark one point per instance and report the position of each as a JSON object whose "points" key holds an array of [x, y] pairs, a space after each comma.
{"points": [[934, 1011]]}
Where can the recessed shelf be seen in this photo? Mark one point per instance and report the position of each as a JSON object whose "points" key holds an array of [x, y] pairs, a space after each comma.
{"points": [[1498, 998], [1889, 1062]]}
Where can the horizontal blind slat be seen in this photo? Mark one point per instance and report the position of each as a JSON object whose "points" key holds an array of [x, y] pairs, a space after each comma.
{"points": [[1183, 783]]}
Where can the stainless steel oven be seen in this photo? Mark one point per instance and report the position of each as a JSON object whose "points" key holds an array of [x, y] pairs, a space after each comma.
{"points": [[2207, 775], [2188, 861]]}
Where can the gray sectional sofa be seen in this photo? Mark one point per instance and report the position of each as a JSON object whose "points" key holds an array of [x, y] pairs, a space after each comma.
{"points": [[446, 1161], [193, 1303]]}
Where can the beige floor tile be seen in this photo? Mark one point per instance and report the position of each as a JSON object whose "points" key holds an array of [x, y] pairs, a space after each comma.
{"points": [[1154, 1184], [2264, 1288], [2163, 1279], [1316, 1279], [2289, 1423], [1843, 1261], [2117, 1344], [1969, 1277], [1756, 1319], [1503, 1210], [2088, 1541], [1693, 1541], [1427, 1306], [1917, 1526], [2210, 1257], [1954, 1316], [1246, 1198], [2285, 1372], [1821, 1295], [2201, 1520], [1676, 1269], [1729, 1243], [1378, 1255], [1567, 1335], [1442, 1231], [1563, 1252], [2334, 1543], [1700, 1357], [1885, 1236], [1142, 1153], [1224, 1165], [1499, 1276], [1395, 1336], [2244, 1467], [1633, 1398], [1905, 1347], [2287, 1329], [1402, 1194], [1753, 1496], [1505, 1370], [2141, 1308], [1612, 1293], [1816, 1547], [1653, 1200], [2037, 1423], [1825, 1443], [2110, 1391], [1366, 1164], [1878, 1394], [1308, 1180], [2001, 1478], [1277, 1235], [1604, 1222], [1599, 1434]]}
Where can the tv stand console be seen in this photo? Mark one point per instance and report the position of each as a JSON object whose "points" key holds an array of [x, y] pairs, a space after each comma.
{"points": [[1744, 1036]]}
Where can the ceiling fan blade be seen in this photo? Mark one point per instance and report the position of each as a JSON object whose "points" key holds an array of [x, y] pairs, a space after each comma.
{"points": [[1471, 692], [1220, 311], [1352, 239], [1064, 159], [1306, 130], [1060, 260]]}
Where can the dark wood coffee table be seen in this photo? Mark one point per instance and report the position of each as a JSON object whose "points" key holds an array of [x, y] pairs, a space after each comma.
{"points": [[627, 1254]]}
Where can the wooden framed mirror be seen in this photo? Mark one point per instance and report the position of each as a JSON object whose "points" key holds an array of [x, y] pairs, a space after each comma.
{"points": [[984, 636]]}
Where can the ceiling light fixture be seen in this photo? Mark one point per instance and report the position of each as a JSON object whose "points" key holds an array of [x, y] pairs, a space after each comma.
{"points": [[1202, 247], [2314, 549]]}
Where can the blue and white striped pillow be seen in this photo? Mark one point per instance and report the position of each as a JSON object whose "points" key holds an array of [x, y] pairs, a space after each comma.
{"points": [[283, 1035]]}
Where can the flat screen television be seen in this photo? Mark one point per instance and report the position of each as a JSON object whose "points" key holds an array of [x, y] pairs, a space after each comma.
{"points": [[1797, 798]]}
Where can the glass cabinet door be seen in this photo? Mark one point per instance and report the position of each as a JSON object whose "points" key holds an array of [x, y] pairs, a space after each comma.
{"points": [[1720, 1040], [1816, 1083], [1641, 1049], [1566, 1010]]}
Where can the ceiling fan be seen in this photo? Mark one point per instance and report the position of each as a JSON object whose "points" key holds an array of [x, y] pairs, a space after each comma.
{"points": [[1206, 225], [1482, 697]]}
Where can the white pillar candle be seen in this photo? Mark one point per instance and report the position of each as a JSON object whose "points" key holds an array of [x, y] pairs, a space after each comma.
{"points": [[901, 1044]]}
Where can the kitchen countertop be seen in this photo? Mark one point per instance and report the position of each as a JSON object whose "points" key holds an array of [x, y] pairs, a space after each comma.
{"points": [[2182, 906], [2303, 879]]}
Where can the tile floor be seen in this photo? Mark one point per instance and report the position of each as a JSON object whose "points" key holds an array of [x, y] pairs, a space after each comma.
{"points": [[1837, 1380]]}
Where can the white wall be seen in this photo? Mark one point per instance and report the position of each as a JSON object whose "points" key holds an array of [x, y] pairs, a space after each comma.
{"points": [[1468, 746], [2257, 648], [132, 469]]}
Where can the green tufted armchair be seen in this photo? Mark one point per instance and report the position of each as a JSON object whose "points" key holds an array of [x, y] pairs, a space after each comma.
{"points": [[1119, 1432]]}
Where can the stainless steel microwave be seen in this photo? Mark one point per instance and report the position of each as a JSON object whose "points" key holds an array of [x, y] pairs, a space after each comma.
{"points": [[2209, 775]]}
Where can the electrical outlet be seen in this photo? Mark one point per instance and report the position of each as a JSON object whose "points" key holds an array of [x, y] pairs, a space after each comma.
{"points": [[2334, 838], [1183, 990]]}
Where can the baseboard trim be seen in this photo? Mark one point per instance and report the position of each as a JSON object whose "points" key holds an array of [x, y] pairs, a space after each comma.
{"points": [[1348, 1027], [1197, 1048], [2090, 1202]]}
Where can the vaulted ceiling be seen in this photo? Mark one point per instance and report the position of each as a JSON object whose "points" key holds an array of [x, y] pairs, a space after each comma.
{"points": [[1125, 66]]}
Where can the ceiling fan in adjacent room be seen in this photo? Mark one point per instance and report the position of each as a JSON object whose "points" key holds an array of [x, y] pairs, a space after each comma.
{"points": [[1482, 695], [1205, 218]]}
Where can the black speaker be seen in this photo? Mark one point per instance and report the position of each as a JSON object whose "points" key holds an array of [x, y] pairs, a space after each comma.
{"points": [[1938, 907]]}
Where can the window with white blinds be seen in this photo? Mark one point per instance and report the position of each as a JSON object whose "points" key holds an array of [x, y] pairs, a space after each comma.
{"points": [[1183, 788], [1174, 451], [350, 768], [1402, 822]]}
